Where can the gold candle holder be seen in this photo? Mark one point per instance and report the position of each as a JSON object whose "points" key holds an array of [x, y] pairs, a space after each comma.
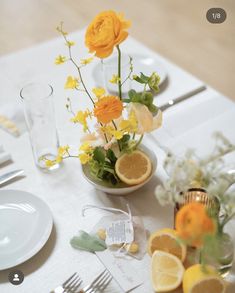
{"points": [[197, 195]]}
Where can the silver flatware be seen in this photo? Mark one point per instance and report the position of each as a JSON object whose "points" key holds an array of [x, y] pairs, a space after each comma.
{"points": [[182, 98], [72, 284], [99, 283], [10, 175]]}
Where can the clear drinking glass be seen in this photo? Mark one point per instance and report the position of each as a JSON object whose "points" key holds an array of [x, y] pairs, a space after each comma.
{"points": [[40, 120], [223, 260], [110, 68]]}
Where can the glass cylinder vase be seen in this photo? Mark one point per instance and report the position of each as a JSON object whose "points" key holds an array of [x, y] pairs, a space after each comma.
{"points": [[40, 121]]}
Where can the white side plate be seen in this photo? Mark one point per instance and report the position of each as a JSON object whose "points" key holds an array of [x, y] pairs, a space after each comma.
{"points": [[25, 226]]}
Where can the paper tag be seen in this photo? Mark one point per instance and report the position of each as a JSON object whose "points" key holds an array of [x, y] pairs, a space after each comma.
{"points": [[127, 273], [119, 232]]}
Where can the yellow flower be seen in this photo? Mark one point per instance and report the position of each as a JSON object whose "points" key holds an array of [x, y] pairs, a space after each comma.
{"points": [[84, 158], [62, 150], [58, 159], [118, 134], [115, 79], [71, 83], [70, 43], [145, 120], [130, 125], [107, 30], [60, 59], [86, 61], [81, 117], [107, 109], [98, 92], [85, 147], [49, 163]]}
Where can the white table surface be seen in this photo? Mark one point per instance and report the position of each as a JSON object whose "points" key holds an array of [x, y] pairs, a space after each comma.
{"points": [[66, 191]]}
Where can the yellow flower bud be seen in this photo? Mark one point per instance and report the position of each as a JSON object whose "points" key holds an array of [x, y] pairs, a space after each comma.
{"points": [[132, 247], [101, 233]]}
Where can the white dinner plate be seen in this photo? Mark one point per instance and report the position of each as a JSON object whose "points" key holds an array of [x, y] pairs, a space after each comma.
{"points": [[25, 226], [141, 63]]}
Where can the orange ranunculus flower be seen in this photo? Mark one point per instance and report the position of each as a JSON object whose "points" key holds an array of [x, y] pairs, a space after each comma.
{"points": [[107, 30], [193, 223], [107, 109]]}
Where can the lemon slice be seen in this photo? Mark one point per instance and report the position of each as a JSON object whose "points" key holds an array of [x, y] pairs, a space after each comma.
{"points": [[167, 240], [198, 279], [133, 168], [166, 271]]}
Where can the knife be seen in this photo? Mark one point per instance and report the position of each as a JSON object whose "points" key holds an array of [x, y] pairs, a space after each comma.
{"points": [[182, 98], [10, 175]]}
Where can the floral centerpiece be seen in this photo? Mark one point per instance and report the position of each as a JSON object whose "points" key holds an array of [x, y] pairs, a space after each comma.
{"points": [[114, 126], [200, 223]]}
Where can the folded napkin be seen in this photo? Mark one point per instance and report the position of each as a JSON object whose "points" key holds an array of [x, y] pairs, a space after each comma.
{"points": [[12, 119]]}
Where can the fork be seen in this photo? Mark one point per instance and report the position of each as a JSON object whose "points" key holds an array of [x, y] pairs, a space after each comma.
{"points": [[70, 285], [99, 283]]}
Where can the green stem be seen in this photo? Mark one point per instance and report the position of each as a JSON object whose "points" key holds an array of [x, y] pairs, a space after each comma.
{"points": [[139, 141], [119, 73], [79, 71], [80, 76], [200, 257], [119, 146]]}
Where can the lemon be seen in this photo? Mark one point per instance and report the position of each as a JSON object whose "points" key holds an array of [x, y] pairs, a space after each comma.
{"points": [[133, 168], [166, 271], [198, 279], [167, 240]]}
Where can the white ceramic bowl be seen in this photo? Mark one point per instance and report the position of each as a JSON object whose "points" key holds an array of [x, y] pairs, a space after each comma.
{"points": [[122, 189]]}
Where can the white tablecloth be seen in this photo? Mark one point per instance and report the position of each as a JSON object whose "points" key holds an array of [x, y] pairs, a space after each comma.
{"points": [[66, 191]]}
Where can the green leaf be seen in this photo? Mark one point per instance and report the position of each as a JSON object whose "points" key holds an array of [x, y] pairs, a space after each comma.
{"points": [[85, 241], [144, 77], [138, 79], [153, 109], [146, 98], [124, 141], [99, 155], [132, 94], [111, 156]]}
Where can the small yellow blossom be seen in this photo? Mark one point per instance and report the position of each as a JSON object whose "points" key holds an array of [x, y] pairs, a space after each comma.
{"points": [[49, 163], [81, 117], [60, 59], [130, 125], [117, 134], [62, 150], [111, 131], [86, 61], [99, 92], [70, 43], [58, 159], [71, 83], [60, 29], [115, 79], [84, 158], [85, 147]]}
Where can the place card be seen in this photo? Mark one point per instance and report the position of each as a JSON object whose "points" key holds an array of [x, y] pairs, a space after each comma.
{"points": [[123, 270]]}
